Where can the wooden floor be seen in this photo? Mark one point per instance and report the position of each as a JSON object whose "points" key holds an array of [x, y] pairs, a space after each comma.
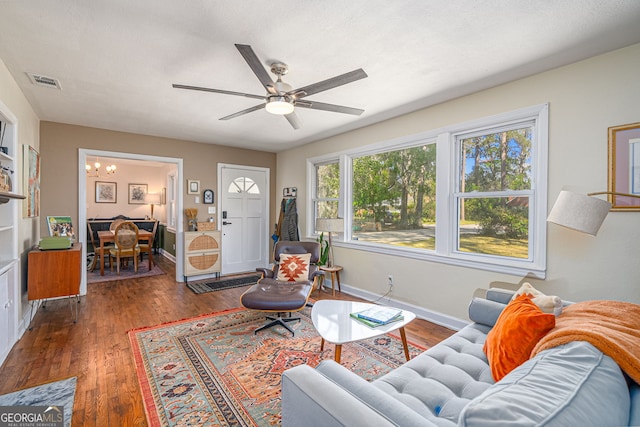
{"points": [[96, 348]]}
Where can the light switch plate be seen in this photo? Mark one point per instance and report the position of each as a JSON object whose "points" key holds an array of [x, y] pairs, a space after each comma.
{"points": [[211, 210], [197, 199]]}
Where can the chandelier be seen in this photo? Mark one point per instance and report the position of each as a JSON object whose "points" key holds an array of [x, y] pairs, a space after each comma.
{"points": [[95, 169]]}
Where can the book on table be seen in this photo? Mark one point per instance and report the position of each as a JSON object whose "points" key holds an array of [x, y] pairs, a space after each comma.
{"points": [[379, 314], [373, 324]]}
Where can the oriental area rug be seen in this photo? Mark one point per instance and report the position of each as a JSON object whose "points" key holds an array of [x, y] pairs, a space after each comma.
{"points": [[212, 370]]}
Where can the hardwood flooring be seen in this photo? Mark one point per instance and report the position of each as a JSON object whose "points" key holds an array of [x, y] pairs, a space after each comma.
{"points": [[96, 348]]}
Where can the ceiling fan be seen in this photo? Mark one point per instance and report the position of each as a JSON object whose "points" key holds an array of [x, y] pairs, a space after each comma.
{"points": [[281, 98]]}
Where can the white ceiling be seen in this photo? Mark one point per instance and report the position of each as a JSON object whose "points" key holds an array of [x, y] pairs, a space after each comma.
{"points": [[116, 59]]}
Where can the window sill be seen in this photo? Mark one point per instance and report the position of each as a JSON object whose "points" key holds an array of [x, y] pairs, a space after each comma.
{"points": [[521, 269]]}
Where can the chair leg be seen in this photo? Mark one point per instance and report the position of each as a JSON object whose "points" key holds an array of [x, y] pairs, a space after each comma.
{"points": [[118, 264], [277, 320]]}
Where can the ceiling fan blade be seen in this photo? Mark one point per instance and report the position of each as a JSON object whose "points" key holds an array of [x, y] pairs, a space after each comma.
{"points": [[256, 66], [294, 120], [340, 80], [328, 107], [226, 92], [243, 112]]}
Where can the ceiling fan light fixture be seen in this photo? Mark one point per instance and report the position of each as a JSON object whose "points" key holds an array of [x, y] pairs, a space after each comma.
{"points": [[279, 105]]}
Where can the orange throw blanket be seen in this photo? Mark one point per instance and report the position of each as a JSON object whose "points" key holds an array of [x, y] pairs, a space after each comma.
{"points": [[613, 327]]}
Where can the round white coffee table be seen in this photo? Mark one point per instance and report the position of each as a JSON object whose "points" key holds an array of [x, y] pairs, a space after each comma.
{"points": [[332, 321]]}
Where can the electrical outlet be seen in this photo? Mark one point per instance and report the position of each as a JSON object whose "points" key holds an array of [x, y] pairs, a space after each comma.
{"points": [[390, 281]]}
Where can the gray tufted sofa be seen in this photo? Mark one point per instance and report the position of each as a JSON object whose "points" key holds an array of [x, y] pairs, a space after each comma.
{"points": [[451, 384]]}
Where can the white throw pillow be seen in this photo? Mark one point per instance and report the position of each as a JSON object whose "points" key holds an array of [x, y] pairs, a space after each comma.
{"points": [[547, 303]]}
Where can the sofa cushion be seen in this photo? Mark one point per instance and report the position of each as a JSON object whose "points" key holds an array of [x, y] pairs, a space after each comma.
{"points": [[440, 382], [570, 385], [518, 329], [377, 400], [634, 395]]}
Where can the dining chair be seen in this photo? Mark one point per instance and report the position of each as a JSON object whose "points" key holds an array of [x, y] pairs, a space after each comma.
{"points": [[147, 247], [126, 240], [115, 223], [93, 236]]}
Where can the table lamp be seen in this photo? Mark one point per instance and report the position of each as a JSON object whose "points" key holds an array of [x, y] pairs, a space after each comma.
{"points": [[152, 199], [330, 225]]}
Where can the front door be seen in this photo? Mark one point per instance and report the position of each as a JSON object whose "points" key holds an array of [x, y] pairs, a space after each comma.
{"points": [[243, 217]]}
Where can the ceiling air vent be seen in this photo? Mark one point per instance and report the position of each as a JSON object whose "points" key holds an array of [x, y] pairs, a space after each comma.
{"points": [[45, 81]]}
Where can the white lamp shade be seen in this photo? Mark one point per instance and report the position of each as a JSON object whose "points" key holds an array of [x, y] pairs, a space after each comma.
{"points": [[333, 225], [152, 198], [579, 212]]}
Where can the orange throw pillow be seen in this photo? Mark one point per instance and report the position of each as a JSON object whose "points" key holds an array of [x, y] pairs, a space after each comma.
{"points": [[294, 267], [518, 329]]}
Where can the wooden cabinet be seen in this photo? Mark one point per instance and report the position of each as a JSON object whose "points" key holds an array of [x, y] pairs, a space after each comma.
{"points": [[202, 252], [54, 273]]}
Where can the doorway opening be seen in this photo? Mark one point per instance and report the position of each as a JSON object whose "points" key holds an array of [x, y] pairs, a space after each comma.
{"points": [[175, 169]]}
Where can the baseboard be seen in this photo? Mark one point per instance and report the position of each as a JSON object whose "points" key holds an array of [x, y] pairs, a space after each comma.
{"points": [[432, 316], [168, 255]]}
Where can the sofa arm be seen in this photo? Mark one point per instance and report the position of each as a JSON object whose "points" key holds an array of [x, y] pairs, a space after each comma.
{"points": [[312, 400]]}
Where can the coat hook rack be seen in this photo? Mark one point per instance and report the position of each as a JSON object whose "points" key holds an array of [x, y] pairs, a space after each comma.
{"points": [[289, 192]]}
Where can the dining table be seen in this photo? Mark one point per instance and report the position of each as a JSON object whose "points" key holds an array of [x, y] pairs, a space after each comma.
{"points": [[108, 236]]}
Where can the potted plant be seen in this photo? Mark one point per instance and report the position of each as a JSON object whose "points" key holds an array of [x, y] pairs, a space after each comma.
{"points": [[324, 250]]}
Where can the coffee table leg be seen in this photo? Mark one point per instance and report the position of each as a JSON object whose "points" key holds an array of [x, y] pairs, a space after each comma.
{"points": [[338, 352], [403, 335], [322, 345]]}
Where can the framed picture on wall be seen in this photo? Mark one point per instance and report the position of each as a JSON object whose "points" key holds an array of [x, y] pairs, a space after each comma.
{"points": [[137, 193], [31, 206], [624, 167], [193, 186], [106, 192]]}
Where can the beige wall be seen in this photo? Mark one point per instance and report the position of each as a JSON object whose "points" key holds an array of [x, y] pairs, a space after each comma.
{"points": [[585, 99], [127, 173], [59, 151]]}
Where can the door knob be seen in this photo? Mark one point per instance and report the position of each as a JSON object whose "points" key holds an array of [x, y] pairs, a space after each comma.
{"points": [[226, 223]]}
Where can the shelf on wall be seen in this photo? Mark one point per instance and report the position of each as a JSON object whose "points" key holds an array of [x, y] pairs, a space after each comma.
{"points": [[5, 197], [5, 157]]}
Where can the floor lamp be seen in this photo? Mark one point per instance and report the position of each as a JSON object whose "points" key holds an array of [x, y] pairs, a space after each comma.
{"points": [[582, 212], [330, 225]]}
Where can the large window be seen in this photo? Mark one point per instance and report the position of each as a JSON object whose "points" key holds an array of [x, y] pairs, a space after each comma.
{"points": [[494, 188], [472, 194], [394, 197]]}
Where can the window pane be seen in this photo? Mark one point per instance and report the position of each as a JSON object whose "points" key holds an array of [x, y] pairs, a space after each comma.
{"points": [[243, 184], [328, 181], [327, 209], [497, 161], [494, 226], [394, 197]]}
